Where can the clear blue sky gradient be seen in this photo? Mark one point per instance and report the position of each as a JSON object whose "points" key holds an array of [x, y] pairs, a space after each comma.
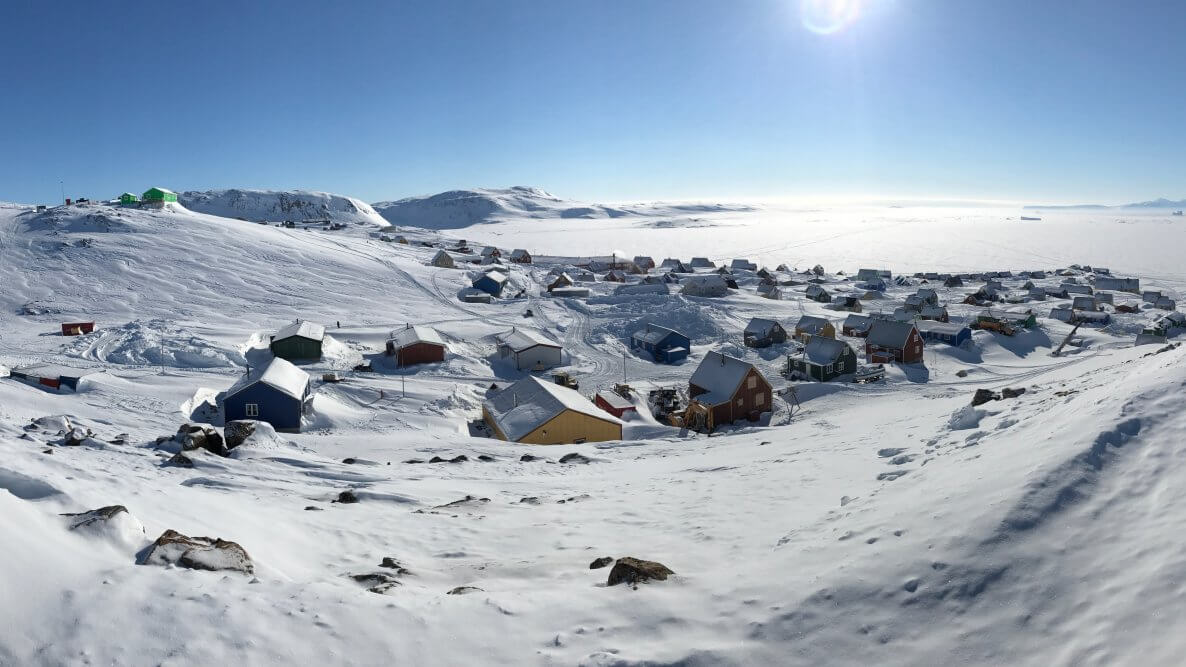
{"points": [[1036, 100]]}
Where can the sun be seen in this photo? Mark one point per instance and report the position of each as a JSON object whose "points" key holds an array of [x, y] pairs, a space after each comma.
{"points": [[826, 17]]}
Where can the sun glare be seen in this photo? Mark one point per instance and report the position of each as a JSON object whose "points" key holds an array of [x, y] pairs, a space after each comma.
{"points": [[826, 17]]}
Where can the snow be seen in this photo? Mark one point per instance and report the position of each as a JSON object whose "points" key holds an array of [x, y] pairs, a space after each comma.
{"points": [[531, 402], [280, 375], [720, 375], [278, 206], [302, 329], [519, 339]]}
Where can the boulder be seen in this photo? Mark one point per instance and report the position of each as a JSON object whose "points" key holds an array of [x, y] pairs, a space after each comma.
{"points": [[463, 590], [347, 498], [198, 553], [237, 431], [983, 396], [377, 582], [75, 437], [575, 457], [604, 561], [201, 436], [393, 564], [1009, 392], [180, 460], [527, 458], [113, 523], [634, 571]]}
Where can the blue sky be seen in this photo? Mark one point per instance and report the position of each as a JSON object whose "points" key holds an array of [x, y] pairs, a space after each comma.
{"points": [[1051, 101]]}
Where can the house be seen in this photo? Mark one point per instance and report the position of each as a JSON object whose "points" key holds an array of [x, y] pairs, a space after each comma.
{"points": [[943, 332], [1037, 293], [281, 395], [1085, 303], [865, 275], [817, 293], [1091, 317], [77, 328], [528, 350], [702, 263], [534, 412], [913, 303], [823, 360], [810, 325], [520, 256], [158, 197], [443, 260], [48, 376], [1062, 314], [890, 340], [129, 199], [644, 263], [874, 284], [937, 313], [299, 341], [416, 344], [953, 281], [765, 286], [851, 304], [584, 276], [928, 296], [988, 292], [764, 273], [568, 292], [1165, 303], [663, 345], [903, 314], [762, 332], [705, 286], [614, 404], [1072, 288], [1118, 284], [492, 282], [856, 325], [491, 251], [743, 265], [474, 296], [642, 288], [672, 264], [1103, 297], [725, 389], [1150, 296], [615, 276], [490, 260], [1021, 317]]}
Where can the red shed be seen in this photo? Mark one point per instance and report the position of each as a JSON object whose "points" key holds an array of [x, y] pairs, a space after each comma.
{"points": [[416, 345], [77, 328], [613, 403]]}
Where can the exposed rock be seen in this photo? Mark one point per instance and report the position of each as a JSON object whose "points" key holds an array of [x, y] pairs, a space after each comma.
{"points": [[604, 561], [463, 590], [466, 501], [963, 373], [527, 458], [437, 459], [634, 571], [460, 458], [414, 461], [113, 523], [84, 519], [1009, 392], [349, 461], [201, 436], [120, 439], [377, 582], [75, 437], [392, 564], [485, 458], [529, 500], [198, 553], [312, 508], [237, 431], [180, 460], [575, 457], [583, 496], [983, 396], [346, 498]]}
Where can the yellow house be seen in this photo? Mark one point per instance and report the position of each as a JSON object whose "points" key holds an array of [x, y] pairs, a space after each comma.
{"points": [[809, 326], [535, 412]]}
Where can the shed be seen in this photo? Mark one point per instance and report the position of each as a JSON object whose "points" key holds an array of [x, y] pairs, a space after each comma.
{"points": [[1085, 303], [416, 344], [50, 376], [299, 341], [1165, 303], [937, 313], [817, 293], [743, 265], [663, 345], [520, 256], [569, 292], [703, 263], [725, 389], [823, 360], [644, 263], [491, 251], [474, 296], [615, 276], [953, 281], [642, 288], [762, 332], [890, 340], [943, 332], [810, 325], [528, 350], [128, 199], [857, 325], [281, 395], [562, 280], [675, 265], [77, 328], [532, 411], [491, 282], [158, 197], [443, 260], [705, 286], [1118, 284], [874, 284], [1022, 317], [614, 404]]}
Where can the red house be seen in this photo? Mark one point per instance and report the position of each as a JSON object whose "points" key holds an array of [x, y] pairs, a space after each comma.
{"points": [[725, 389], [416, 345], [77, 328], [613, 404], [890, 340]]}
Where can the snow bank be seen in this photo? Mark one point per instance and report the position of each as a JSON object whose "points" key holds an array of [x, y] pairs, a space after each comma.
{"points": [[155, 342]]}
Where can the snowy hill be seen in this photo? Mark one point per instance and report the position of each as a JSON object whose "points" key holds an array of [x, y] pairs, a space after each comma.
{"points": [[277, 206]]}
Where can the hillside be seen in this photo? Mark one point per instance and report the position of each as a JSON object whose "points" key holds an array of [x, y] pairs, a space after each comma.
{"points": [[277, 206]]}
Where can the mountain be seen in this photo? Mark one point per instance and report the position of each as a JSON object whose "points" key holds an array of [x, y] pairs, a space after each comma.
{"points": [[1152, 204], [275, 206], [462, 208]]}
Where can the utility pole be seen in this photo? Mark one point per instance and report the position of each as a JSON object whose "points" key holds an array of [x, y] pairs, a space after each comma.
{"points": [[62, 185]]}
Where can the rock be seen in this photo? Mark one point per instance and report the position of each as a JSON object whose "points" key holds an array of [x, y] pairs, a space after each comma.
{"points": [[377, 582], [634, 571], [312, 508], [530, 500], [180, 460], [460, 458], [198, 553], [201, 436], [604, 561], [414, 461], [486, 458], [47, 451], [347, 498], [120, 439], [237, 431], [113, 523], [84, 519], [527, 458], [462, 590], [349, 461], [983, 396], [962, 373], [1009, 392], [575, 457], [468, 500], [437, 459], [392, 564], [75, 437]]}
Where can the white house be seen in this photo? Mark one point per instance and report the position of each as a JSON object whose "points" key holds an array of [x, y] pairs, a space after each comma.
{"points": [[528, 350]]}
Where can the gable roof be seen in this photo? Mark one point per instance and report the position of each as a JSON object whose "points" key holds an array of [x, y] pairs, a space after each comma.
{"points": [[856, 321], [530, 403], [615, 400], [761, 326], [811, 323], [822, 351], [524, 339], [519, 252], [302, 328], [441, 254], [280, 375], [720, 375], [653, 333], [890, 333], [497, 276], [417, 333], [943, 328]]}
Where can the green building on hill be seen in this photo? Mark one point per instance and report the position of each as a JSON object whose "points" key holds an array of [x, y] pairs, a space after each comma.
{"points": [[128, 199], [158, 196]]}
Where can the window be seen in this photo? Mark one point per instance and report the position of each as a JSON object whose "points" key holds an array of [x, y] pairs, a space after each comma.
{"points": [[751, 382], [253, 409], [828, 368], [739, 402], [759, 399]]}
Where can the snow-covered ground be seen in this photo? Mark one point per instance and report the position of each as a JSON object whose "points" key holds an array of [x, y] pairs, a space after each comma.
{"points": [[888, 523]]}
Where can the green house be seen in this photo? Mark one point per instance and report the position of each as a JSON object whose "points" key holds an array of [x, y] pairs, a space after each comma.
{"points": [[1020, 317], [128, 199], [299, 341], [159, 196], [823, 360]]}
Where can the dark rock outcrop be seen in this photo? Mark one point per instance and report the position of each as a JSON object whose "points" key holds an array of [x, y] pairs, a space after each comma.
{"points": [[198, 553], [604, 561], [633, 571]]}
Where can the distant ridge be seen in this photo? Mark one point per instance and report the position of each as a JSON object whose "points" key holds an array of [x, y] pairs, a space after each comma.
{"points": [[1156, 203]]}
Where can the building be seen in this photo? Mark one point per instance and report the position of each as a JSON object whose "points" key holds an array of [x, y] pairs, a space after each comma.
{"points": [[810, 325], [851, 304], [562, 280], [474, 296], [743, 265], [129, 199], [943, 332], [663, 345], [416, 344], [823, 360], [937, 313], [491, 251], [1165, 303], [281, 395], [953, 281], [874, 284], [705, 286], [642, 288], [520, 256], [615, 276], [158, 197], [299, 341], [614, 404], [644, 263], [1118, 284], [890, 340], [49, 376], [725, 389], [534, 412], [568, 292], [703, 263], [1020, 317], [817, 293], [856, 325], [675, 266], [762, 332], [491, 282], [528, 350], [443, 260], [1085, 303], [77, 328]]}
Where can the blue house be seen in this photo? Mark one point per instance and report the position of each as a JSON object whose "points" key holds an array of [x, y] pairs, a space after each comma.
{"points": [[943, 332], [491, 282], [664, 345], [280, 395]]}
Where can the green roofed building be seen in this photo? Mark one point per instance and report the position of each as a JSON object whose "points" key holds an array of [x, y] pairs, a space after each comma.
{"points": [[158, 196], [128, 199]]}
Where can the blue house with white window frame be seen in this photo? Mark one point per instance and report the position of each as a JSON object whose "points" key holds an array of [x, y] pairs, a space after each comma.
{"points": [[943, 332], [280, 395], [663, 345]]}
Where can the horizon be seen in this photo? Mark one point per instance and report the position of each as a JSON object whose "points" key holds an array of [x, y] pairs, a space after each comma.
{"points": [[662, 100]]}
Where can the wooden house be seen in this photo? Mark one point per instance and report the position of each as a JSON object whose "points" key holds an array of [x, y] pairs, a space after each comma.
{"points": [[50, 376], [937, 313], [817, 293], [644, 263], [532, 411], [520, 256], [810, 325], [823, 360], [857, 325], [953, 281], [614, 404], [762, 332], [443, 260], [492, 282], [672, 264], [705, 286], [1118, 284], [528, 350], [77, 328], [491, 251], [562, 280], [1085, 303], [890, 340], [725, 389], [943, 332], [416, 344], [615, 276], [663, 345], [848, 303], [280, 395], [1019, 317], [702, 263], [299, 341]]}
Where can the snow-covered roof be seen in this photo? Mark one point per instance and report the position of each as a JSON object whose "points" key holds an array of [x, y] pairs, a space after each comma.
{"points": [[614, 400], [280, 375], [417, 333], [944, 328], [760, 326], [530, 403], [496, 276], [519, 252], [442, 254], [811, 323], [164, 190], [643, 288], [302, 328], [523, 339], [720, 375], [855, 321], [653, 333], [822, 351], [889, 333], [51, 371]]}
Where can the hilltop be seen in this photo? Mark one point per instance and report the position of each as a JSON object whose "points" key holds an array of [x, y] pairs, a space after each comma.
{"points": [[274, 205]]}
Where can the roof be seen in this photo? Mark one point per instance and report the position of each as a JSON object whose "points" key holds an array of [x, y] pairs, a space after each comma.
{"points": [[944, 328], [417, 333], [440, 254], [523, 339], [720, 375], [614, 400], [530, 403], [51, 371], [811, 323], [711, 280], [822, 351], [761, 325], [161, 190], [889, 333], [496, 276], [302, 328], [653, 333], [519, 252], [280, 375], [855, 321]]}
